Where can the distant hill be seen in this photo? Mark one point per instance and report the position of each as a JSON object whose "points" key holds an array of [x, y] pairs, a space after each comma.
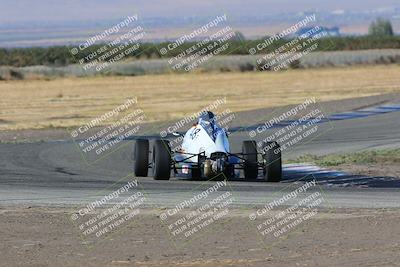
{"points": [[26, 23]]}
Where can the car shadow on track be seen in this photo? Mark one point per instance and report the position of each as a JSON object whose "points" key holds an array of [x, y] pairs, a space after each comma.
{"points": [[334, 178], [305, 172]]}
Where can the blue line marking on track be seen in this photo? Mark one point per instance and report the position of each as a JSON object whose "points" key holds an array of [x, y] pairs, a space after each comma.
{"points": [[348, 115]]}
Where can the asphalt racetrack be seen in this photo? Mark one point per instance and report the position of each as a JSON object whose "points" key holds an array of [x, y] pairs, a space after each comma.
{"points": [[53, 172]]}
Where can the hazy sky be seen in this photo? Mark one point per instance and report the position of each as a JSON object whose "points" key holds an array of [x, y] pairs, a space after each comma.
{"points": [[76, 10]]}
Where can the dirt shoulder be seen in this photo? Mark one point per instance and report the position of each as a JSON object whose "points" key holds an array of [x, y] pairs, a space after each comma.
{"points": [[367, 162], [40, 236], [376, 169]]}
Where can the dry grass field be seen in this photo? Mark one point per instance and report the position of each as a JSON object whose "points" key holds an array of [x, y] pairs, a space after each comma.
{"points": [[67, 102]]}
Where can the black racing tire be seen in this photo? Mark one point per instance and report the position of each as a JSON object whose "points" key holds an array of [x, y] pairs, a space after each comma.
{"points": [[250, 162], [161, 160], [229, 171], [196, 173], [141, 156], [273, 162]]}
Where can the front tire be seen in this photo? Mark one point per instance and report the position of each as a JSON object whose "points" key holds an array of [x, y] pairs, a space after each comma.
{"points": [[250, 164], [141, 155], [161, 160], [273, 162]]}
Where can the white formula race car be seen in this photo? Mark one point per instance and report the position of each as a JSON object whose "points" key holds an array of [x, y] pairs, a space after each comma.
{"points": [[205, 153]]}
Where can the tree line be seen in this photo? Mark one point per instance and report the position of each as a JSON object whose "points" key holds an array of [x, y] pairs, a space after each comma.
{"points": [[61, 55]]}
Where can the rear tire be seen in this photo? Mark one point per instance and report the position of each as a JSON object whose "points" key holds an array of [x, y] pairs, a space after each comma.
{"points": [[196, 173], [229, 171], [161, 160], [141, 155], [273, 162], [250, 164]]}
